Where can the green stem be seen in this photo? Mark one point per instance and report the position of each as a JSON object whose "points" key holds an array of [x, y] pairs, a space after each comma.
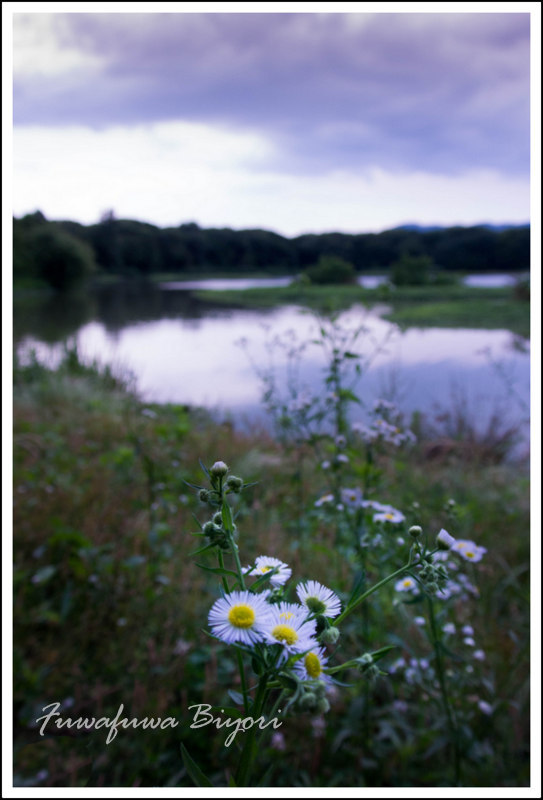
{"points": [[248, 753], [221, 565], [243, 681], [443, 686]]}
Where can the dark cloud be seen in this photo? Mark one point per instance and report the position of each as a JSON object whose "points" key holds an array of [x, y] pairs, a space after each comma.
{"points": [[438, 92]]}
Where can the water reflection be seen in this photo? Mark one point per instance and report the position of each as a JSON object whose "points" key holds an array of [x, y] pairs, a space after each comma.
{"points": [[181, 350]]}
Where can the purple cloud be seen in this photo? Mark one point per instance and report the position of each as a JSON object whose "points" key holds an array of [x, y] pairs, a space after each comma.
{"points": [[434, 92]]}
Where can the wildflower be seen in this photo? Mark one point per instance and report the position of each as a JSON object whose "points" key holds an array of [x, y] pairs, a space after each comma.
{"points": [[278, 741], [318, 599], [479, 655], [264, 564], [469, 550], [391, 515], [415, 531], [467, 630], [485, 707], [352, 498], [449, 627], [444, 540], [342, 459], [469, 641], [406, 584], [325, 465], [311, 665], [400, 541], [290, 629], [240, 617], [419, 621], [326, 498]]}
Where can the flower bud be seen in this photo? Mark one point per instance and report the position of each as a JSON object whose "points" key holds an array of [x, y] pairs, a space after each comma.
{"points": [[234, 483], [415, 531], [218, 470], [203, 495], [322, 706], [329, 635]]}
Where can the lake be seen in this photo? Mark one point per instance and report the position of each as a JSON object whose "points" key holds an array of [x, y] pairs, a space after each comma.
{"points": [[181, 349]]}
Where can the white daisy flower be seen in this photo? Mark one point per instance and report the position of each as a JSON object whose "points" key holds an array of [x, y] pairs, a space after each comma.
{"points": [[289, 627], [469, 641], [240, 617], [326, 498], [406, 584], [469, 550], [311, 665], [445, 540], [467, 630], [479, 655], [419, 621], [264, 564], [390, 515], [318, 599], [375, 505], [449, 627], [352, 498]]}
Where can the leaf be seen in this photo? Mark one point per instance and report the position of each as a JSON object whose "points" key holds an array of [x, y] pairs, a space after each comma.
{"points": [[358, 586], [205, 469], [193, 769], [227, 516], [218, 570], [202, 549], [44, 574], [237, 697]]}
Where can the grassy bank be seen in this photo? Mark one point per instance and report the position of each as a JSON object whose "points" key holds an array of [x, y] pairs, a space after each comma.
{"points": [[424, 306], [110, 606]]}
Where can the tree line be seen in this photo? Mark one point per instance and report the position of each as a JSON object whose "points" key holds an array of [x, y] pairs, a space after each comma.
{"points": [[60, 253]]}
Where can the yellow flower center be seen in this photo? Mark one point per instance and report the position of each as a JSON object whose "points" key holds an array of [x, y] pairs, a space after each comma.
{"points": [[264, 569], [313, 665], [389, 516], [286, 615], [241, 616], [284, 633], [407, 582], [469, 554]]}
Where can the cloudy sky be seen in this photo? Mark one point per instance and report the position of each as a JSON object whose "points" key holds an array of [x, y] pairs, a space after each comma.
{"points": [[294, 122]]}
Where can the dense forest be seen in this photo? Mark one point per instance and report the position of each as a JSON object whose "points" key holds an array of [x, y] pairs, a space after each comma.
{"points": [[62, 253]]}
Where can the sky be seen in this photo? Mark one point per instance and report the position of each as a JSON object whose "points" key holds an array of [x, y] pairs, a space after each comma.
{"points": [[305, 121]]}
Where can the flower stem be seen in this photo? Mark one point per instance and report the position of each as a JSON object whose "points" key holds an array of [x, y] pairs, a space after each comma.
{"points": [[436, 641]]}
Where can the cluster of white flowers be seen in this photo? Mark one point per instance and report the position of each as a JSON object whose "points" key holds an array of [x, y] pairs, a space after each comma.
{"points": [[249, 618], [385, 426]]}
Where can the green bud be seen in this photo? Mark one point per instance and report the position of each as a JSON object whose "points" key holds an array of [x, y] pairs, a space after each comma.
{"points": [[415, 531], [323, 706], [329, 635], [218, 470], [234, 483], [203, 495], [308, 701]]}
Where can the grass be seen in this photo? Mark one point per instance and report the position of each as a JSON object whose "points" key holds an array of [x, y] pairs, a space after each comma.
{"points": [[109, 605], [424, 306]]}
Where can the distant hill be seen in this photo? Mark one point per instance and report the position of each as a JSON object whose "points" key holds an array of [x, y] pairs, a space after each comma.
{"points": [[487, 225]]}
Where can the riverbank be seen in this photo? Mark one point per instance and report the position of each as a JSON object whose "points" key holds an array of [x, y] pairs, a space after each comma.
{"points": [[418, 306], [109, 605]]}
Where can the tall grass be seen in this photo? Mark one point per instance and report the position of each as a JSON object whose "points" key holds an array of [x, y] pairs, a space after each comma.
{"points": [[109, 607]]}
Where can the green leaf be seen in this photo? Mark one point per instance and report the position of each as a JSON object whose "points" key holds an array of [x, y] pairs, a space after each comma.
{"points": [[227, 516], [218, 570], [205, 469], [193, 769], [237, 697], [44, 574], [202, 549]]}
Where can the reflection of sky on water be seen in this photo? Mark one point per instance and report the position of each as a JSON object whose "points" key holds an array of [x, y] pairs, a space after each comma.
{"points": [[201, 362]]}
